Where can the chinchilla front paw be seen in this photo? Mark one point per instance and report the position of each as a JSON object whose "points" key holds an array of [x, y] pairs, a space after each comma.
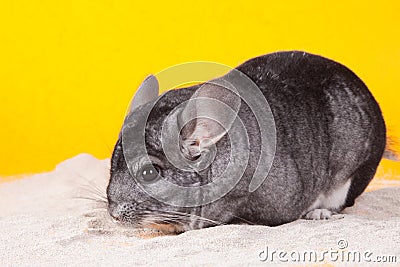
{"points": [[318, 214]]}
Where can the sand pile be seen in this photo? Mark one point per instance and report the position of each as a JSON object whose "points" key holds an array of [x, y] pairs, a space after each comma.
{"points": [[45, 221]]}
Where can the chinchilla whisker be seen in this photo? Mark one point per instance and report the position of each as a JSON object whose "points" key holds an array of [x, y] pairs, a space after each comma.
{"points": [[166, 218], [92, 199], [96, 196], [92, 186], [95, 190], [163, 220], [100, 208], [193, 215], [95, 193], [188, 216], [247, 221]]}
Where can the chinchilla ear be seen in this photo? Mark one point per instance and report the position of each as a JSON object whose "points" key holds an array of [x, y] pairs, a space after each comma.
{"points": [[208, 116], [147, 91]]}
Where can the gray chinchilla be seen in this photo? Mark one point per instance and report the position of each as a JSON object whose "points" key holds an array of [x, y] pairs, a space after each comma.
{"points": [[329, 139]]}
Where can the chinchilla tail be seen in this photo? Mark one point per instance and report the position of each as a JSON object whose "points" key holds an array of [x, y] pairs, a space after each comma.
{"points": [[390, 151]]}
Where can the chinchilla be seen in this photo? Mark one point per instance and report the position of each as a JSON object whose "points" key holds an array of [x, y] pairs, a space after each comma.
{"points": [[324, 126]]}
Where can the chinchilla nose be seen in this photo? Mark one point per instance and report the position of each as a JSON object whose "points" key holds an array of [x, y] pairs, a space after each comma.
{"points": [[114, 210]]}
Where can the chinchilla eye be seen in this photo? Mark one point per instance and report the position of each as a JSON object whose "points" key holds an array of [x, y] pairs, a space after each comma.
{"points": [[149, 173]]}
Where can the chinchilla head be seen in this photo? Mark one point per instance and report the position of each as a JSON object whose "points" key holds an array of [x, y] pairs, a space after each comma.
{"points": [[169, 150]]}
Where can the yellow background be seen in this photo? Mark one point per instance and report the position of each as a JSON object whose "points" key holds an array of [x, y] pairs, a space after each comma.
{"points": [[69, 68]]}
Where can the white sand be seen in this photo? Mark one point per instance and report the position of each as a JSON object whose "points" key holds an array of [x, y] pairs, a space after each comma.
{"points": [[43, 224]]}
